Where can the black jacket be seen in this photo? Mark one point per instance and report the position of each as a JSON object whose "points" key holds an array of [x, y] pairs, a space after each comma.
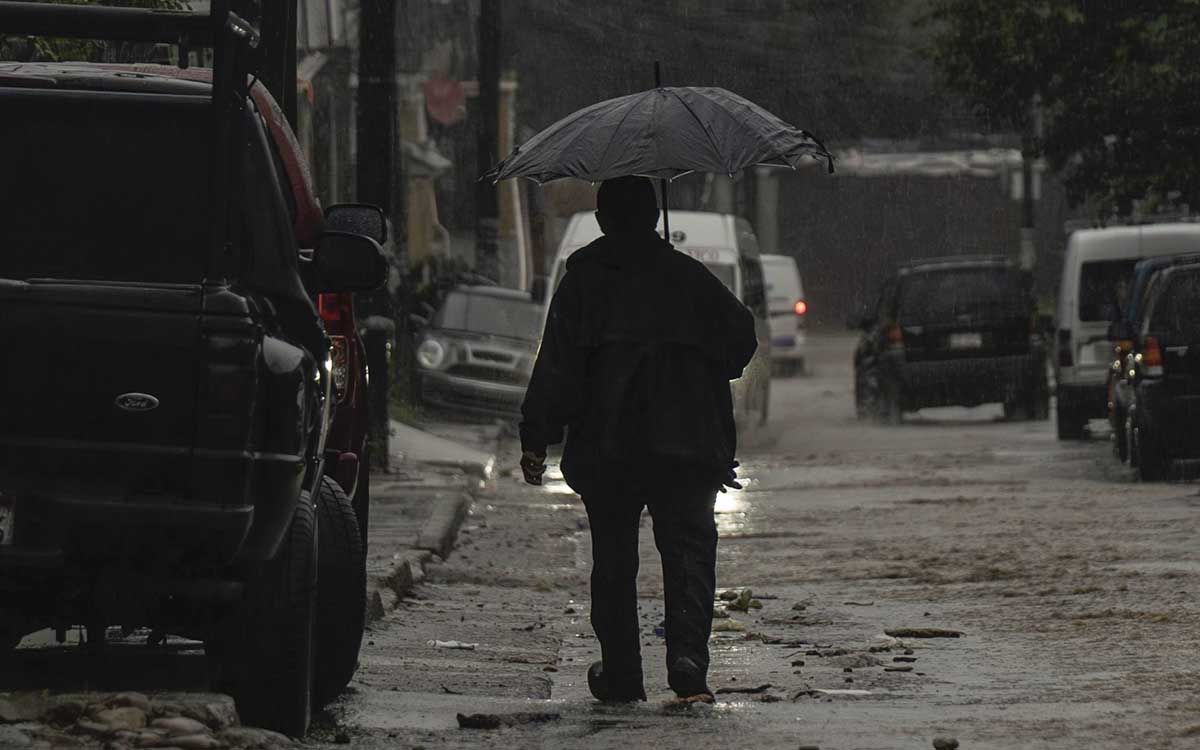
{"points": [[639, 348]]}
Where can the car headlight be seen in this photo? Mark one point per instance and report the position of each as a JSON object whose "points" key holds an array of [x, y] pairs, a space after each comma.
{"points": [[431, 354]]}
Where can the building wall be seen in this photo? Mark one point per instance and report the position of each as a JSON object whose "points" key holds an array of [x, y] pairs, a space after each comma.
{"points": [[847, 232]]}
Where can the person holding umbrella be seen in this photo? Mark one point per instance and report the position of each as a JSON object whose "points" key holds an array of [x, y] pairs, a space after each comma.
{"points": [[639, 348], [640, 344]]}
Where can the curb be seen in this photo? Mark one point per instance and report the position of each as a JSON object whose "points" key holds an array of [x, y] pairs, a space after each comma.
{"points": [[436, 539]]}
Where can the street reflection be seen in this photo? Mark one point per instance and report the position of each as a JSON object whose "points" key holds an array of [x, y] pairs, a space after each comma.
{"points": [[731, 510]]}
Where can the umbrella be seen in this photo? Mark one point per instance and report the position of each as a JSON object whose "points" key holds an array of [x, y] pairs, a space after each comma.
{"points": [[664, 133]]}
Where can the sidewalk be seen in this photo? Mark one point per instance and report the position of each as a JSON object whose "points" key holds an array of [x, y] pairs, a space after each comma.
{"points": [[419, 504]]}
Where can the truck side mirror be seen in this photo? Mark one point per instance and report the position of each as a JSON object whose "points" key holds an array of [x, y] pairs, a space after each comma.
{"points": [[537, 290], [349, 262], [357, 218]]}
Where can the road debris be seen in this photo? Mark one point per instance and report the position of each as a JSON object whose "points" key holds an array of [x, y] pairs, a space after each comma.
{"points": [[453, 645], [945, 743], [749, 690], [924, 633], [728, 626], [897, 669], [822, 692], [744, 602], [496, 721]]}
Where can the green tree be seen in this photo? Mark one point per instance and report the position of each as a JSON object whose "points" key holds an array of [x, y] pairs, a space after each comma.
{"points": [[45, 49], [1116, 80]]}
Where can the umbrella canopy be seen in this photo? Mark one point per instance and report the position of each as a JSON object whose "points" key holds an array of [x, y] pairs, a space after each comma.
{"points": [[664, 133]]}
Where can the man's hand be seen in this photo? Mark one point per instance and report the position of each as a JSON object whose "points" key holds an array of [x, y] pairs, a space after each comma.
{"points": [[533, 466], [730, 479]]}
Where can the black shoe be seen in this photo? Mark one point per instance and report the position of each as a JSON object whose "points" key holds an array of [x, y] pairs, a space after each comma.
{"points": [[687, 679], [604, 692]]}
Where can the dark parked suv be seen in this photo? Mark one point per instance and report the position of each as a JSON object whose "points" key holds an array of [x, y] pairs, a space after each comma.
{"points": [[1160, 381], [169, 386], [951, 331]]}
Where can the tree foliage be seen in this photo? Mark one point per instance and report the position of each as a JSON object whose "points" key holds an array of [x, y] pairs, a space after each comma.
{"points": [[46, 49], [1117, 82]]}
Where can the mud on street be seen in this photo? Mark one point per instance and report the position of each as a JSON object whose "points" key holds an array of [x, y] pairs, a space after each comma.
{"points": [[1072, 585]]}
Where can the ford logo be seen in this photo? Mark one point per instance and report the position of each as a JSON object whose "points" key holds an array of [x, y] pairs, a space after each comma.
{"points": [[136, 402]]}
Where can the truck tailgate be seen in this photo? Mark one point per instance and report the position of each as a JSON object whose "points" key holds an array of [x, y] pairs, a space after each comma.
{"points": [[100, 387]]}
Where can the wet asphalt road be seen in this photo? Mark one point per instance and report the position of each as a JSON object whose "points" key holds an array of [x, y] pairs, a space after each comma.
{"points": [[1073, 585]]}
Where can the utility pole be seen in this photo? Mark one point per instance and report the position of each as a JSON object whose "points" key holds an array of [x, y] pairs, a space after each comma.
{"points": [[487, 221], [1030, 148], [378, 183]]}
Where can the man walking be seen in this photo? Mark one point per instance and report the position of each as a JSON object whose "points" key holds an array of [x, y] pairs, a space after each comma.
{"points": [[635, 363]]}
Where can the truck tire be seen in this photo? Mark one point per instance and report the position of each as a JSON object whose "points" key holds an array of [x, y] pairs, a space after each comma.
{"points": [[267, 653], [341, 594], [1151, 463], [1070, 423]]}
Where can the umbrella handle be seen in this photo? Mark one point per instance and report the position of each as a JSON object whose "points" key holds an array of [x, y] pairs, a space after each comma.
{"points": [[666, 218]]}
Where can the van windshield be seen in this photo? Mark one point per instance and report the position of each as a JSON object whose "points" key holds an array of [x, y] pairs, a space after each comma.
{"points": [[1104, 289], [100, 189]]}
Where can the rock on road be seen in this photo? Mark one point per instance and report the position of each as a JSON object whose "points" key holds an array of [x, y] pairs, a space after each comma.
{"points": [[1073, 588]]}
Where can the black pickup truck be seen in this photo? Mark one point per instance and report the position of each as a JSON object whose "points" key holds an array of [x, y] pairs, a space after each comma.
{"points": [[166, 379]]}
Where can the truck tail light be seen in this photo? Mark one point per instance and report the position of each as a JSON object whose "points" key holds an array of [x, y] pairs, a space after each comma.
{"points": [[340, 365], [1066, 358], [1152, 357], [801, 307]]}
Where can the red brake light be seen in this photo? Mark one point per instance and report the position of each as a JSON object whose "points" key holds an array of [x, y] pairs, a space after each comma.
{"points": [[801, 307], [1151, 353], [328, 307]]}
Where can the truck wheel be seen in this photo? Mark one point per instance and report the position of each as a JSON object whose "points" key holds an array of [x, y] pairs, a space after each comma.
{"points": [[862, 409], [341, 594], [267, 654], [889, 404], [1151, 463], [1070, 423]]}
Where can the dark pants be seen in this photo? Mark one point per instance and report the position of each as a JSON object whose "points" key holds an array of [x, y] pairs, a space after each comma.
{"points": [[685, 533]]}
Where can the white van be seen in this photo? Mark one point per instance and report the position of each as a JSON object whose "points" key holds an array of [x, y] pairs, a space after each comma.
{"points": [[1097, 271], [728, 247], [788, 313]]}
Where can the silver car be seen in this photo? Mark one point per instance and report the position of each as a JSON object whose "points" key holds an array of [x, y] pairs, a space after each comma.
{"points": [[477, 353]]}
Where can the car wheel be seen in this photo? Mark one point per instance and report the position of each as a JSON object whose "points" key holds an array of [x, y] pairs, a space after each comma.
{"points": [[341, 594], [1151, 463], [1127, 433], [889, 404], [862, 409], [1070, 424], [267, 651], [1120, 442]]}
